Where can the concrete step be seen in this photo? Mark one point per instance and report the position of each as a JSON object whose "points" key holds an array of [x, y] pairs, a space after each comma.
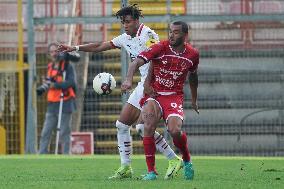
{"points": [[116, 76], [110, 147], [112, 103], [155, 7], [112, 131], [113, 144], [207, 118], [226, 144], [115, 95], [154, 26], [206, 74], [233, 116], [219, 143]]}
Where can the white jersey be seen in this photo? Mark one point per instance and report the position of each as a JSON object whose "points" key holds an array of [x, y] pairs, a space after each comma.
{"points": [[144, 38]]}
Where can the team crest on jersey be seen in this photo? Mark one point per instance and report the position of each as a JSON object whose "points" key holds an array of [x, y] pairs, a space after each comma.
{"points": [[151, 41], [183, 65]]}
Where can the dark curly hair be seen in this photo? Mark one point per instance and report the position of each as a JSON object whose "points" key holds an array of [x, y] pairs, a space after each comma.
{"points": [[132, 10]]}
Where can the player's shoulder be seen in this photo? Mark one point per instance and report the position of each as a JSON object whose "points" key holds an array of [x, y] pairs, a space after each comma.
{"points": [[191, 49], [165, 43], [121, 37], [145, 30]]}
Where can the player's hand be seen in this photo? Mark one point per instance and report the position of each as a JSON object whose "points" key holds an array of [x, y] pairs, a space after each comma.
{"points": [[65, 48], [195, 107], [126, 86]]}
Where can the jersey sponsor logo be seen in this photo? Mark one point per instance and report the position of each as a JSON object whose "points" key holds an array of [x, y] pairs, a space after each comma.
{"points": [[175, 74], [166, 82]]}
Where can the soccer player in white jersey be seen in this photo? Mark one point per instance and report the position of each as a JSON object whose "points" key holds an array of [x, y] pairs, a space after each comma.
{"points": [[136, 39]]}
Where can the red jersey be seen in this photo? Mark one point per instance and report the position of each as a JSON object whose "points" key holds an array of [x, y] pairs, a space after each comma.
{"points": [[170, 68]]}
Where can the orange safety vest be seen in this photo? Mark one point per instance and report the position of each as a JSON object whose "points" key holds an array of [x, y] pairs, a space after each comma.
{"points": [[53, 95]]}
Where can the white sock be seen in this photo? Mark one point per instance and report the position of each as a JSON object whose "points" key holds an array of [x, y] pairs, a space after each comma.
{"points": [[124, 142], [161, 144]]}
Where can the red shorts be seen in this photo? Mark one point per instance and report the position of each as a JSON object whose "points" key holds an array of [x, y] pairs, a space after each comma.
{"points": [[171, 105]]}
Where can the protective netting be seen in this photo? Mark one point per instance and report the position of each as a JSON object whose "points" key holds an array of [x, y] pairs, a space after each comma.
{"points": [[8, 87], [10, 115]]}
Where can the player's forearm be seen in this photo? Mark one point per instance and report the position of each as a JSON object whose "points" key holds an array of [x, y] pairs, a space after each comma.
{"points": [[90, 47], [148, 79], [193, 83], [133, 67], [147, 83], [193, 89], [150, 73]]}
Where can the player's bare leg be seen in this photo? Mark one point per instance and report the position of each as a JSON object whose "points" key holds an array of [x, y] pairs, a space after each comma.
{"points": [[161, 144], [151, 115], [180, 141], [175, 162]]}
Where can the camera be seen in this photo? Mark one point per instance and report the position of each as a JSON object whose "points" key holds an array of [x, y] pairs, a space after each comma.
{"points": [[45, 86]]}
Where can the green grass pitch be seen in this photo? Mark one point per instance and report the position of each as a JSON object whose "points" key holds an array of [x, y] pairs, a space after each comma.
{"points": [[81, 172]]}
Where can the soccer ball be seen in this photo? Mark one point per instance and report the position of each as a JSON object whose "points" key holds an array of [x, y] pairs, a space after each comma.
{"points": [[104, 83]]}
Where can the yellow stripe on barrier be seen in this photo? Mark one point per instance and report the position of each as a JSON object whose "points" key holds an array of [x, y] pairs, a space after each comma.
{"points": [[12, 66], [2, 140], [155, 7]]}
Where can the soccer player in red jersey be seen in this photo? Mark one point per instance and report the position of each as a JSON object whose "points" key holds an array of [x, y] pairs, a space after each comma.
{"points": [[172, 61]]}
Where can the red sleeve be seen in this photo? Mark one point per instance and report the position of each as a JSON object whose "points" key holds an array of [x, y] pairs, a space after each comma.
{"points": [[153, 52], [195, 61]]}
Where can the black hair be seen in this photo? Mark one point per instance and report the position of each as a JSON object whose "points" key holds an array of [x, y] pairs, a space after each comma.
{"points": [[132, 10], [184, 26]]}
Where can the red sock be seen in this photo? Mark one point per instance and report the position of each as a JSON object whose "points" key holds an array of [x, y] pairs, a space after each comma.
{"points": [[181, 143], [150, 150]]}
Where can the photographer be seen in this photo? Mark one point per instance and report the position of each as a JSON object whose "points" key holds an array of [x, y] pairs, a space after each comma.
{"points": [[55, 84]]}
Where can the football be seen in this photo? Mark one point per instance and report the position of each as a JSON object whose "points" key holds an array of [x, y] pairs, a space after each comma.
{"points": [[104, 83]]}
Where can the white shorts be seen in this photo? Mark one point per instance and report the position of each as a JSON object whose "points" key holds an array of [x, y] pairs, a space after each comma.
{"points": [[136, 96]]}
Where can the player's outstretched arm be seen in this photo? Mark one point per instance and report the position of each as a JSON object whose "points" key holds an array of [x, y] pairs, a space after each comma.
{"points": [[90, 47], [127, 84], [193, 83]]}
